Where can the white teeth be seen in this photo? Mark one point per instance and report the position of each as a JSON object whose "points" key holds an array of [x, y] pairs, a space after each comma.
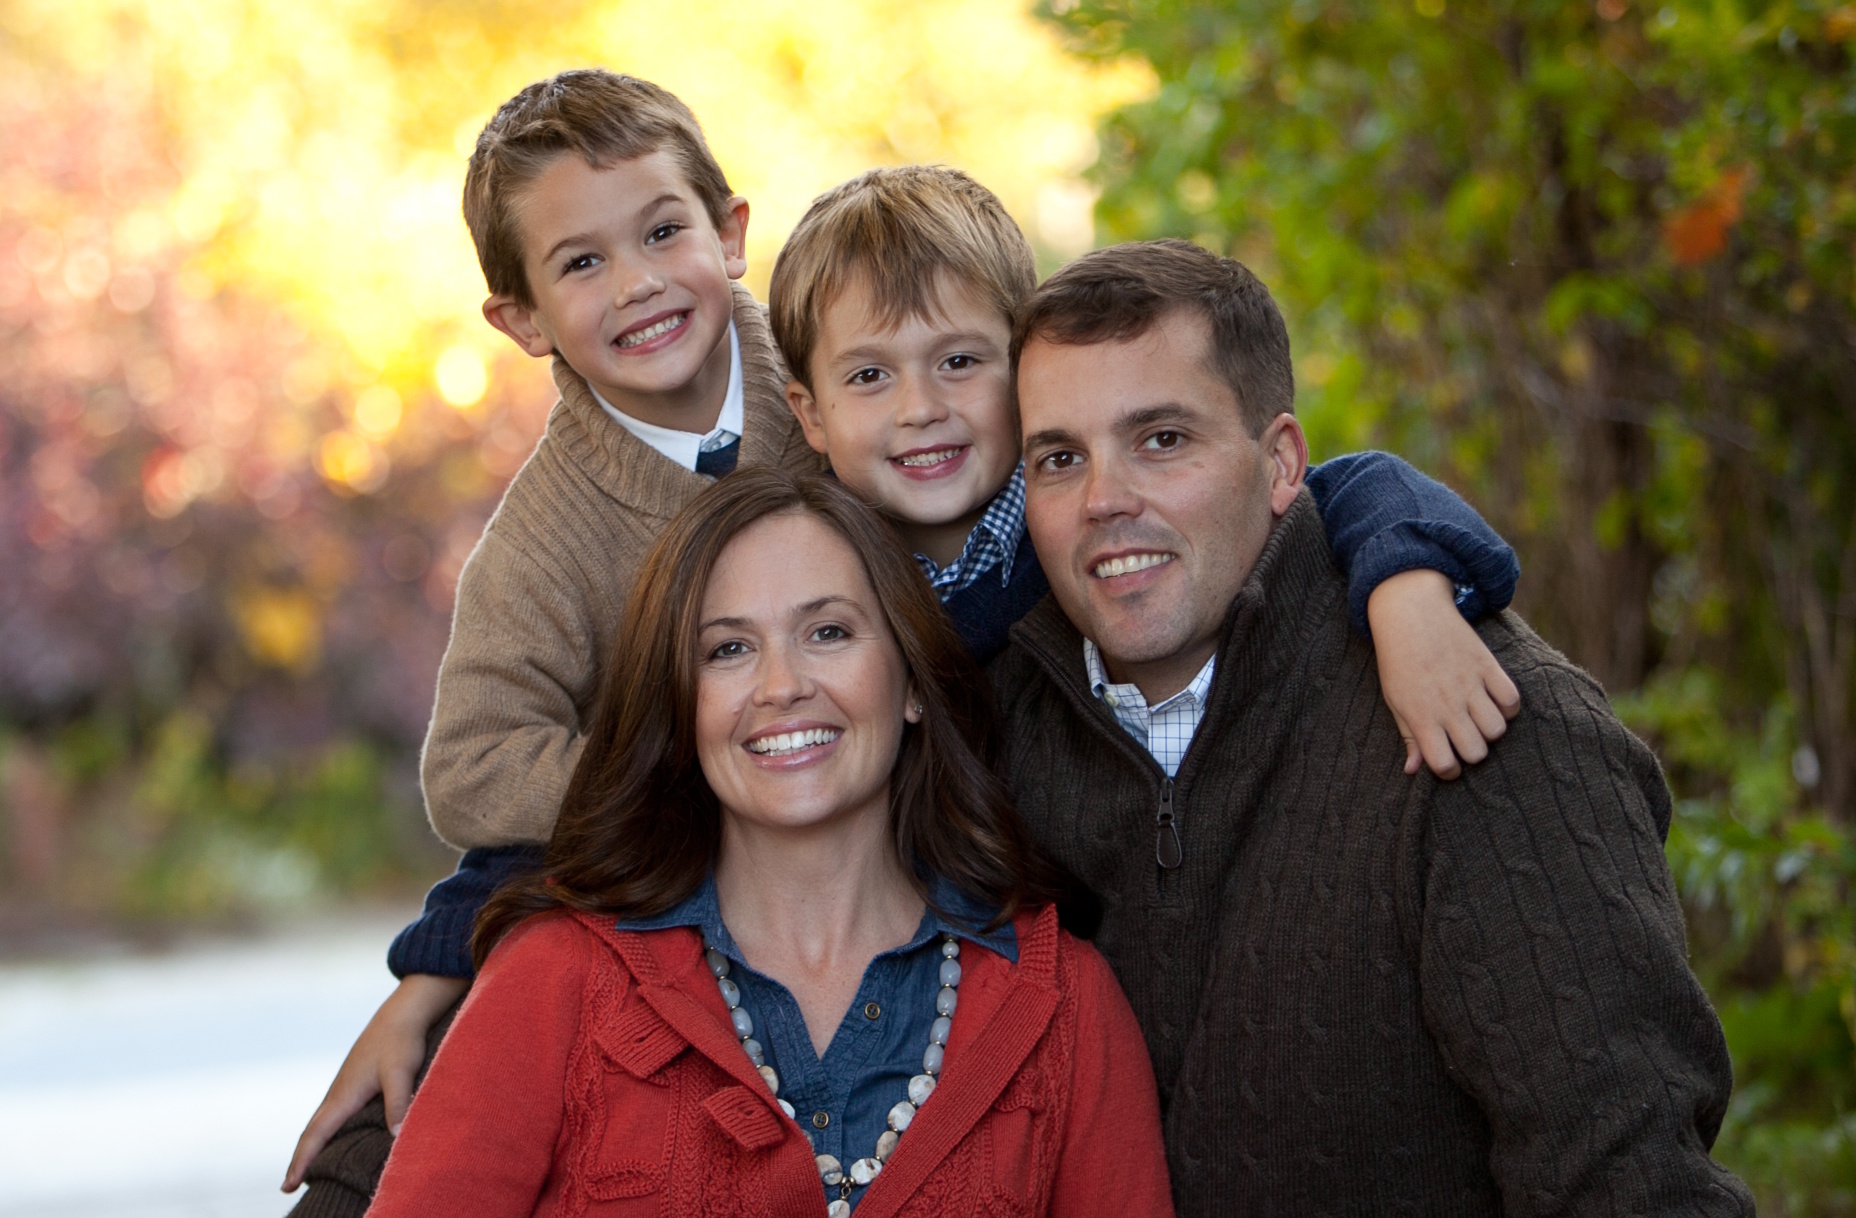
{"points": [[1129, 563], [792, 742], [919, 460], [650, 332]]}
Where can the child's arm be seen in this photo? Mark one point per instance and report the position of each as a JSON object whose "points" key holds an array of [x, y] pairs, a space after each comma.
{"points": [[1419, 562]]}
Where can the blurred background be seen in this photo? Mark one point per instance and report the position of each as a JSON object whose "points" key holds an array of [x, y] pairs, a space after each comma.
{"points": [[1589, 261]]}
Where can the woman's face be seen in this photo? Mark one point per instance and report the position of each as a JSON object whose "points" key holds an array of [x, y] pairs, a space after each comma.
{"points": [[801, 693]]}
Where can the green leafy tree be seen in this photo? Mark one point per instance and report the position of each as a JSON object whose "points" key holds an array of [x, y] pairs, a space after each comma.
{"points": [[1591, 262]]}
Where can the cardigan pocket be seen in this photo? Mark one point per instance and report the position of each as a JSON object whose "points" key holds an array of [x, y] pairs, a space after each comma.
{"points": [[1014, 1141], [635, 1104]]}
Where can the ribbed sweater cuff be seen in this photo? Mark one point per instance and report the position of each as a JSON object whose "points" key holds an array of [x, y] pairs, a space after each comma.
{"points": [[438, 943], [1489, 572]]}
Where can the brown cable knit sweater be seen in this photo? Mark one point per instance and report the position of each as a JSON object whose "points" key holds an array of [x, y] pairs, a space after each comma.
{"points": [[541, 597], [1366, 993]]}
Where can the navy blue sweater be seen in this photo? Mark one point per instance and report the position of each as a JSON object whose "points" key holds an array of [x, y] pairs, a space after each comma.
{"points": [[1382, 517]]}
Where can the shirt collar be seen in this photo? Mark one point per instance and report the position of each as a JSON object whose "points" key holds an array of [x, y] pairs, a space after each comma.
{"points": [[950, 912], [684, 446], [995, 539], [1130, 694]]}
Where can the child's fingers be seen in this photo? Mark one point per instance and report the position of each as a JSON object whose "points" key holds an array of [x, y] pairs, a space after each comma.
{"points": [[1439, 754], [1465, 734], [1502, 689], [337, 1106], [1490, 720]]}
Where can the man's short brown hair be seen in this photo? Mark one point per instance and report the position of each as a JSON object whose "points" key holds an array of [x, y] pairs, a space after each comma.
{"points": [[898, 231], [1118, 293], [591, 113]]}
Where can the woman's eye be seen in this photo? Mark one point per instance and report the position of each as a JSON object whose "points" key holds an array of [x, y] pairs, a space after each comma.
{"points": [[663, 232], [729, 650], [830, 634], [866, 376], [1163, 440]]}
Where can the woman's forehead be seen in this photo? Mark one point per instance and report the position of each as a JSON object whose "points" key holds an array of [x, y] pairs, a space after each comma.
{"points": [[784, 565]]}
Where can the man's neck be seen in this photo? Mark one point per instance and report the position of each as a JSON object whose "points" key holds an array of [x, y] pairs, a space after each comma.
{"points": [[1160, 679]]}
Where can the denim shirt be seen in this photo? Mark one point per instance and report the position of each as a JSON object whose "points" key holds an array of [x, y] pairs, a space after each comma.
{"points": [[843, 1100]]}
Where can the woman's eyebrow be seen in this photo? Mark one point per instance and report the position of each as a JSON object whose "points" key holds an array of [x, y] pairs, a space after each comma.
{"points": [[810, 607]]}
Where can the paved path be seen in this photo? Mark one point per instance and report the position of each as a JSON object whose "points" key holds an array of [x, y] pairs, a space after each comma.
{"points": [[175, 1086]]}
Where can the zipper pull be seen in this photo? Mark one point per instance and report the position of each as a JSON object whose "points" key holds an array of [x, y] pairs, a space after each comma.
{"points": [[1167, 850]]}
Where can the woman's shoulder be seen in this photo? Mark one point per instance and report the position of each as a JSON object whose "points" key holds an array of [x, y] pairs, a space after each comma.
{"points": [[1051, 954]]}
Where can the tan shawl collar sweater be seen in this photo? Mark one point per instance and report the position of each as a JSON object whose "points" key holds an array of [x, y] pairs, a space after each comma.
{"points": [[1371, 994], [540, 598]]}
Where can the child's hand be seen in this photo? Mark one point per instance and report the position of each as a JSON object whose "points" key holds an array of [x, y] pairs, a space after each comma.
{"points": [[1447, 692], [384, 1061]]}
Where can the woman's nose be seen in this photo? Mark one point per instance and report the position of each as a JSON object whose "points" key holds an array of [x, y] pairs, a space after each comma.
{"points": [[782, 678]]}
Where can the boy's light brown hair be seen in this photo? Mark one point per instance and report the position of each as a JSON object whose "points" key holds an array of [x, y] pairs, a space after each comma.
{"points": [[899, 231], [591, 113]]}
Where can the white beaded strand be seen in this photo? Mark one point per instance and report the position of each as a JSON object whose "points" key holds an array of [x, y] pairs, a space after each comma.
{"points": [[863, 1171]]}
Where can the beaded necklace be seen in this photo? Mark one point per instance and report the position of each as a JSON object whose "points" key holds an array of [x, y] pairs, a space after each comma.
{"points": [[863, 1171]]}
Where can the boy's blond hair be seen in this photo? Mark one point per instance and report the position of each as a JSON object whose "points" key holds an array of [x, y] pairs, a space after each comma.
{"points": [[597, 115], [898, 231]]}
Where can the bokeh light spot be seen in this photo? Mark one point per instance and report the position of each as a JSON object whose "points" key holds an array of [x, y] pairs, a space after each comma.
{"points": [[462, 379]]}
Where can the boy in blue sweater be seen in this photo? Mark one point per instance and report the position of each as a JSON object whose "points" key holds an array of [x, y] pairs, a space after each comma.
{"points": [[892, 306]]}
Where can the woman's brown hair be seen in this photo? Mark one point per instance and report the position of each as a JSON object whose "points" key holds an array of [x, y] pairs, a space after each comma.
{"points": [[639, 828]]}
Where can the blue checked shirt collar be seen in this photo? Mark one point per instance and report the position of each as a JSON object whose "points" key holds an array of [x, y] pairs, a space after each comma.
{"points": [[1165, 730], [992, 543]]}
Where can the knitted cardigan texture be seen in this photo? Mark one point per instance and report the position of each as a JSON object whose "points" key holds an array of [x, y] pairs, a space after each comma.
{"points": [[1368, 993], [540, 599], [593, 1071]]}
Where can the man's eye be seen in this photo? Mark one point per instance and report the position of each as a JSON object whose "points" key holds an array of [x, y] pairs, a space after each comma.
{"points": [[1163, 440], [1056, 462], [730, 650], [830, 634], [866, 376], [663, 232]]}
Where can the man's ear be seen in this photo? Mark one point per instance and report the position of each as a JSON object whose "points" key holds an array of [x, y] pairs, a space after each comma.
{"points": [[805, 408], [733, 231], [517, 320], [1287, 450]]}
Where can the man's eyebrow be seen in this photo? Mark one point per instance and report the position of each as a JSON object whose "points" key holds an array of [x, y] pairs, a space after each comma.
{"points": [[1147, 416], [1050, 437]]}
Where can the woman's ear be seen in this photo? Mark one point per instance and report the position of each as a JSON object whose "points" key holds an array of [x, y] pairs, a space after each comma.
{"points": [[913, 710]]}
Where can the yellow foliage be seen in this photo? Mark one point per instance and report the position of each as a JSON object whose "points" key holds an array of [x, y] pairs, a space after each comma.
{"points": [[280, 626], [320, 147]]}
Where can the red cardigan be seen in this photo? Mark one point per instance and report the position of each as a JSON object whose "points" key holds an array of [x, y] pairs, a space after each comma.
{"points": [[593, 1071]]}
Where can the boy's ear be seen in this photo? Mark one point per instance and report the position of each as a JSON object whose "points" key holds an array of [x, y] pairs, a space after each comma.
{"points": [[517, 320], [733, 231], [804, 406]]}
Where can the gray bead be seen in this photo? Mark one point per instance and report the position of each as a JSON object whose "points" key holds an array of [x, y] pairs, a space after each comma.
{"points": [[756, 1054], [950, 972], [932, 1059], [830, 1170], [950, 948], [718, 963], [773, 1080], [920, 1088], [944, 1003], [901, 1115], [731, 993], [787, 1109], [864, 1170], [886, 1145], [838, 1209], [939, 1030], [744, 1022]]}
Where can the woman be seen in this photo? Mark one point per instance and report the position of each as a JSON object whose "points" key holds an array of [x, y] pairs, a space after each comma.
{"points": [[786, 906]]}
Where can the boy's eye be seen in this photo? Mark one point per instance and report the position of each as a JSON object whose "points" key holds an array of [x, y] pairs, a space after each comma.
{"points": [[866, 376], [961, 362], [663, 232], [579, 262], [1163, 440]]}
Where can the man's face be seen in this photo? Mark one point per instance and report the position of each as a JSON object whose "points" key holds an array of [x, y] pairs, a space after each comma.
{"points": [[630, 283], [916, 416], [1146, 495]]}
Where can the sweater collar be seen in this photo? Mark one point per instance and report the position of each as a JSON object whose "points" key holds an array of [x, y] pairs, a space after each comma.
{"points": [[1267, 628], [634, 473]]}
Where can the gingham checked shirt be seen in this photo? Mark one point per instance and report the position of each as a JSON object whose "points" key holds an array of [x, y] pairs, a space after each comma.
{"points": [[1164, 730], [992, 543]]}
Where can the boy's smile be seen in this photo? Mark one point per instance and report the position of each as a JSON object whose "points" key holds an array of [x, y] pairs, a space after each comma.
{"points": [[630, 283], [916, 415]]}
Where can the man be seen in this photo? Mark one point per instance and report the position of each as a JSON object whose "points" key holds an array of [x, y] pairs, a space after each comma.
{"points": [[1364, 992]]}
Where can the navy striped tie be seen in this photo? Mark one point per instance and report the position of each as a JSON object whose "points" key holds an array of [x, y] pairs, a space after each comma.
{"points": [[719, 461]]}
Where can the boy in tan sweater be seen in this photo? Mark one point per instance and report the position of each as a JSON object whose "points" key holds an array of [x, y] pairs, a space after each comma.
{"points": [[609, 239]]}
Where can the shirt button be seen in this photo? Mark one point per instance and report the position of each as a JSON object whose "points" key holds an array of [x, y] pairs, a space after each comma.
{"points": [[820, 1120], [872, 1010], [1109, 697]]}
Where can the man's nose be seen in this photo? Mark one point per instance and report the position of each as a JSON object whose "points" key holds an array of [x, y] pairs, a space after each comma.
{"points": [[1108, 492]]}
